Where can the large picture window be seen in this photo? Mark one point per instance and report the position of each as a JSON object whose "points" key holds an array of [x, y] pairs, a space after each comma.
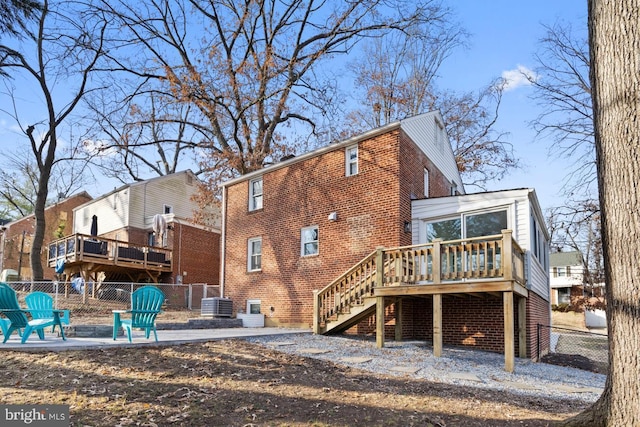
{"points": [[467, 226], [309, 241], [255, 194], [254, 254]]}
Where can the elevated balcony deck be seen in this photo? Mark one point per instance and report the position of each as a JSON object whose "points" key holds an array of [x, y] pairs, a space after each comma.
{"points": [[486, 264], [85, 254]]}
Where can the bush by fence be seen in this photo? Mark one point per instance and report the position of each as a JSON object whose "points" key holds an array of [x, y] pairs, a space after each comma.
{"points": [[575, 348]]}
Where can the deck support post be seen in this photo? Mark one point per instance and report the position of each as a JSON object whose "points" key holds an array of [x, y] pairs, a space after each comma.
{"points": [[398, 312], [379, 322], [316, 312], [522, 327], [437, 325], [509, 342]]}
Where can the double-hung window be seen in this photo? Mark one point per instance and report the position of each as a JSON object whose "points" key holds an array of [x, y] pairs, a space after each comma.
{"points": [[309, 241], [255, 194], [426, 182], [254, 254], [351, 160]]}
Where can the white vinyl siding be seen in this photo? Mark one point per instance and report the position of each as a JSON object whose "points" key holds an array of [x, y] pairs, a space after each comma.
{"points": [[521, 209]]}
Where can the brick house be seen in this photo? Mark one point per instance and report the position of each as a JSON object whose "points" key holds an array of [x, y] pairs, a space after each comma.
{"points": [[299, 238], [16, 236], [143, 232]]}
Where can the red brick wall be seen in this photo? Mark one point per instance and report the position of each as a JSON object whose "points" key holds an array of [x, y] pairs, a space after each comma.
{"points": [[538, 312], [475, 321], [196, 251], [467, 320], [58, 223], [372, 207]]}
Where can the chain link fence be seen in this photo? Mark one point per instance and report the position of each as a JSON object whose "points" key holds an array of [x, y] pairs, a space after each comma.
{"points": [[575, 348], [92, 303]]}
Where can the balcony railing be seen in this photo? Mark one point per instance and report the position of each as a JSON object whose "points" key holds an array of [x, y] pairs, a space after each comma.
{"points": [[80, 248], [473, 260]]}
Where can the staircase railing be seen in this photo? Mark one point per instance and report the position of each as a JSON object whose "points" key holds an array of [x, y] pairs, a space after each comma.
{"points": [[438, 262], [346, 290]]}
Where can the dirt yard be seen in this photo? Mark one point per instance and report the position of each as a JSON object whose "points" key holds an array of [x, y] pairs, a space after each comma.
{"points": [[235, 383]]}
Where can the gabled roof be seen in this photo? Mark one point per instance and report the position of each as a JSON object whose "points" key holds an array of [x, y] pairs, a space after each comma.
{"points": [[563, 259], [413, 126]]}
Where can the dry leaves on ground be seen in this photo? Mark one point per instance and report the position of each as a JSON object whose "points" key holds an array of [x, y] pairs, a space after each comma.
{"points": [[235, 383]]}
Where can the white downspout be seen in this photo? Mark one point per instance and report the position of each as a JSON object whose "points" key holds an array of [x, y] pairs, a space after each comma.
{"points": [[222, 239]]}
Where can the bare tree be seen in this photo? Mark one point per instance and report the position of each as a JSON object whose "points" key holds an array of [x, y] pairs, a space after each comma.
{"points": [[65, 47], [563, 91], [615, 81], [15, 14], [142, 134], [398, 77], [251, 68], [18, 187], [577, 227], [397, 74], [482, 152]]}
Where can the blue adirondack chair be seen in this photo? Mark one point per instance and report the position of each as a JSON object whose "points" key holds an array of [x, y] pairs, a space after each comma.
{"points": [[40, 305], [17, 320], [145, 306]]}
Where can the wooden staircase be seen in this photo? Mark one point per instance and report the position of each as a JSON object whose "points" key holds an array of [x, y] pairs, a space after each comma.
{"points": [[481, 264], [350, 298]]}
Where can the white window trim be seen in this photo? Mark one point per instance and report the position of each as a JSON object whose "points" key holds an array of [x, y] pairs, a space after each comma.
{"points": [[250, 253], [251, 302], [303, 242], [252, 195], [348, 162], [426, 182]]}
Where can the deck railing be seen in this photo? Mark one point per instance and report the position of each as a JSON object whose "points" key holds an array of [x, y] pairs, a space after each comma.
{"points": [[84, 248], [496, 257]]}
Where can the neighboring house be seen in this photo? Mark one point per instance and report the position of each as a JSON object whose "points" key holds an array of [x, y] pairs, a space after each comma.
{"points": [[142, 232], [567, 280], [300, 243], [16, 237]]}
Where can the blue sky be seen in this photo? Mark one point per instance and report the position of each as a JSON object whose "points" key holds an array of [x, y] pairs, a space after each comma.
{"points": [[504, 36]]}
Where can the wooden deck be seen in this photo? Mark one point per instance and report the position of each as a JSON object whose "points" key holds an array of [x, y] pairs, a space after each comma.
{"points": [[487, 264], [89, 255]]}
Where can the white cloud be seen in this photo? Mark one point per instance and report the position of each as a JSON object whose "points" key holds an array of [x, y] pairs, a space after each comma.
{"points": [[520, 76], [98, 148]]}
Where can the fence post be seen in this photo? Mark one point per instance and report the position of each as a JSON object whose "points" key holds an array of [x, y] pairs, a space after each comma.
{"points": [[316, 312], [190, 297]]}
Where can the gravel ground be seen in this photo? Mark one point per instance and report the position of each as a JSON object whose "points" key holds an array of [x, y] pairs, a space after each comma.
{"points": [[457, 366]]}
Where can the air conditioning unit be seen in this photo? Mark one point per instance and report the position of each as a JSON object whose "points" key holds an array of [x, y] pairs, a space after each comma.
{"points": [[216, 307]]}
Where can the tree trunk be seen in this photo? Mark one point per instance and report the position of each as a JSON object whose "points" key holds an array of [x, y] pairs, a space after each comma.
{"points": [[614, 36]]}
